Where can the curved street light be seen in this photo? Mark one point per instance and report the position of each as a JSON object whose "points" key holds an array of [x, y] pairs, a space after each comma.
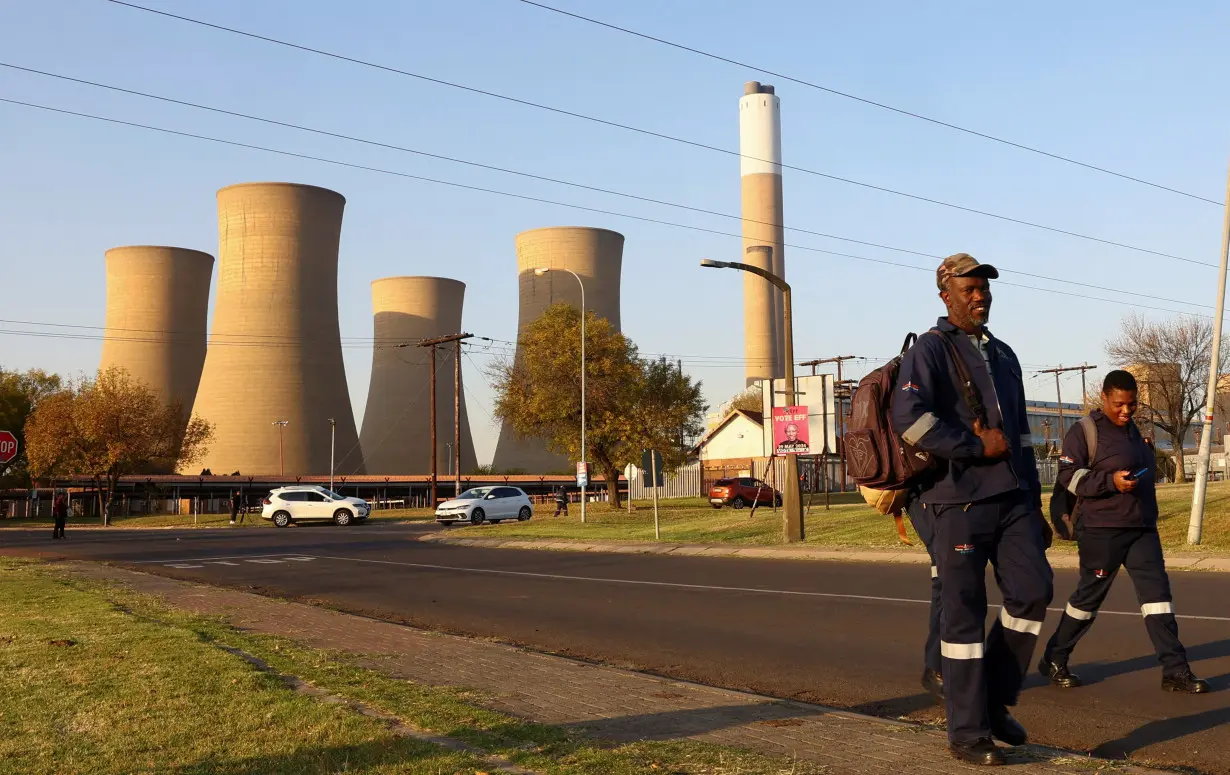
{"points": [[792, 500]]}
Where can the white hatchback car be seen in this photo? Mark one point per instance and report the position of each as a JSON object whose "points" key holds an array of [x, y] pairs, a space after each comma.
{"points": [[486, 504], [310, 503]]}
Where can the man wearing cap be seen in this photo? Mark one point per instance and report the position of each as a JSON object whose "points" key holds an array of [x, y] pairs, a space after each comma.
{"points": [[985, 503]]}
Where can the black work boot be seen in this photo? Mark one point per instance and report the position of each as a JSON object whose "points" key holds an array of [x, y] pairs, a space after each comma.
{"points": [[982, 751], [1185, 682], [933, 682], [1058, 675], [1005, 727]]}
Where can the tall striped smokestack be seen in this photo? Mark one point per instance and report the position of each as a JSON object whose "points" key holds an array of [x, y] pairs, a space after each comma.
{"points": [[760, 170]]}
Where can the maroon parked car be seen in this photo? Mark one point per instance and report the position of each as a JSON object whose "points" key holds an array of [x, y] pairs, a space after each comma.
{"points": [[743, 491]]}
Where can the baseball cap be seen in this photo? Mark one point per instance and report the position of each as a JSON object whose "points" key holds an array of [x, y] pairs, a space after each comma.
{"points": [[963, 265]]}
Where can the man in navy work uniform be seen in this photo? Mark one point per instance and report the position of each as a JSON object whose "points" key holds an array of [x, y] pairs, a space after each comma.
{"points": [[985, 503], [1116, 518]]}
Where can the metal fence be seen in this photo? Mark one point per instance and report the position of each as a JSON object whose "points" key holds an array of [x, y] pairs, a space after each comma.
{"points": [[686, 482]]}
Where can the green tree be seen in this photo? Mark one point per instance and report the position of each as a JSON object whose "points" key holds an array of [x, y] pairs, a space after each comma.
{"points": [[20, 393], [630, 404], [110, 427]]}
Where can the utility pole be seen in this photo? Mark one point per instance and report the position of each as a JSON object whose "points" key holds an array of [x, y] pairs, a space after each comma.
{"points": [[332, 449], [841, 451], [1196, 523], [456, 456], [432, 344], [281, 460], [1059, 398]]}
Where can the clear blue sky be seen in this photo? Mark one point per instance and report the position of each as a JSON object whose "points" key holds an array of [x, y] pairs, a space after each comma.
{"points": [[1132, 86]]}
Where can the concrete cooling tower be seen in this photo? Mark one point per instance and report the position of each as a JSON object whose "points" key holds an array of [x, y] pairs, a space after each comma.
{"points": [[157, 303], [275, 351], [396, 436], [760, 146], [596, 255]]}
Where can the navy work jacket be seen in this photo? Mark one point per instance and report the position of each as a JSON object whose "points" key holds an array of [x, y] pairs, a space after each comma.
{"points": [[1093, 481], [930, 412]]}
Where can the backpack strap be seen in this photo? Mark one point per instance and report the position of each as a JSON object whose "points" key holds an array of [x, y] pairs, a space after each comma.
{"points": [[910, 339], [1091, 436], [973, 399]]}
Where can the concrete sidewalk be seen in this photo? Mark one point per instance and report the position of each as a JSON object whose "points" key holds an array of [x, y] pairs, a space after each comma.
{"points": [[907, 555], [605, 702]]}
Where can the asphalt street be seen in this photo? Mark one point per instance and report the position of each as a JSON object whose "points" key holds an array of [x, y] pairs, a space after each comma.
{"points": [[841, 634]]}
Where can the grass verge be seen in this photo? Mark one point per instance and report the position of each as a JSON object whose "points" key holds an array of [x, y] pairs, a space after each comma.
{"points": [[848, 524], [105, 680]]}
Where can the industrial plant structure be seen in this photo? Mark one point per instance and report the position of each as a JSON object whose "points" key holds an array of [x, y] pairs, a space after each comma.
{"points": [[157, 306], [760, 169], [274, 379], [596, 256], [396, 436]]}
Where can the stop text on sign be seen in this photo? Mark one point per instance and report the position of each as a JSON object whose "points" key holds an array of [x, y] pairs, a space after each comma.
{"points": [[8, 447]]}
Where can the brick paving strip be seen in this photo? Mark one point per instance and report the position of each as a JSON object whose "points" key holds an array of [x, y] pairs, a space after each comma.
{"points": [[1174, 560], [605, 702]]}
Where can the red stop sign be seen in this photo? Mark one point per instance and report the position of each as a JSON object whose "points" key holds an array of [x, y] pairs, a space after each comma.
{"points": [[8, 447]]}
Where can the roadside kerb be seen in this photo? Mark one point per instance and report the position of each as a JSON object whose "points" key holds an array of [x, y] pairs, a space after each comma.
{"points": [[1174, 561]]}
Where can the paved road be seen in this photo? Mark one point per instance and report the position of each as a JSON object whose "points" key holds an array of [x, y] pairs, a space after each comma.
{"points": [[842, 634]]}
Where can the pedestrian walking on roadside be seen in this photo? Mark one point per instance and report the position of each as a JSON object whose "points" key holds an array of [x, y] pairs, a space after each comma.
{"points": [[1115, 525], [961, 399], [59, 512], [561, 501], [236, 507]]}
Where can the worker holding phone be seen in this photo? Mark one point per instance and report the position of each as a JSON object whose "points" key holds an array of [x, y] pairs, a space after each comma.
{"points": [[1115, 520]]}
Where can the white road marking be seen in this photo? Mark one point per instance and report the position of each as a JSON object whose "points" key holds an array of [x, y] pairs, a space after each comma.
{"points": [[267, 562], [201, 559], [184, 565], [220, 562], [705, 587], [301, 559]]}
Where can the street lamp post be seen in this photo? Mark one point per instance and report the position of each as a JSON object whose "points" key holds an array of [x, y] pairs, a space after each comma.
{"points": [[540, 272], [793, 501], [332, 447], [281, 461]]}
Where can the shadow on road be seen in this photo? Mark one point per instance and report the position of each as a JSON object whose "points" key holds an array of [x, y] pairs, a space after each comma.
{"points": [[1101, 671], [1163, 730], [678, 724]]}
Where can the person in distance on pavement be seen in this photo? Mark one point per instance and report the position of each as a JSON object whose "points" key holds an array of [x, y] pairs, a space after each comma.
{"points": [[962, 400], [1116, 526]]}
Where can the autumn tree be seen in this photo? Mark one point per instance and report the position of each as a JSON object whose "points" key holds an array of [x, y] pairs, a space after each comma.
{"points": [[750, 400], [1170, 360], [20, 393], [630, 404], [109, 427]]}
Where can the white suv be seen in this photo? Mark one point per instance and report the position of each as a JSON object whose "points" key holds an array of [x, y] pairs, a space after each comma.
{"points": [[486, 504], [308, 503]]}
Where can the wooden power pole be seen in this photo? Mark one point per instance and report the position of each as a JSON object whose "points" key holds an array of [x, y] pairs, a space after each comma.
{"points": [[1059, 398], [432, 344]]}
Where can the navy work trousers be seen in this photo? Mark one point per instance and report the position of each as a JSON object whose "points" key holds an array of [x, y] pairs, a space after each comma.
{"points": [[920, 516], [982, 668], [1103, 550]]}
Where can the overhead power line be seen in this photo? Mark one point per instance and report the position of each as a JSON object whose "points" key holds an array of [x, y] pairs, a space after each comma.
{"points": [[649, 133], [543, 200], [558, 181], [871, 102]]}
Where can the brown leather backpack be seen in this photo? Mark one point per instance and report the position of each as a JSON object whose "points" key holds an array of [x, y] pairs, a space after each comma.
{"points": [[876, 457]]}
